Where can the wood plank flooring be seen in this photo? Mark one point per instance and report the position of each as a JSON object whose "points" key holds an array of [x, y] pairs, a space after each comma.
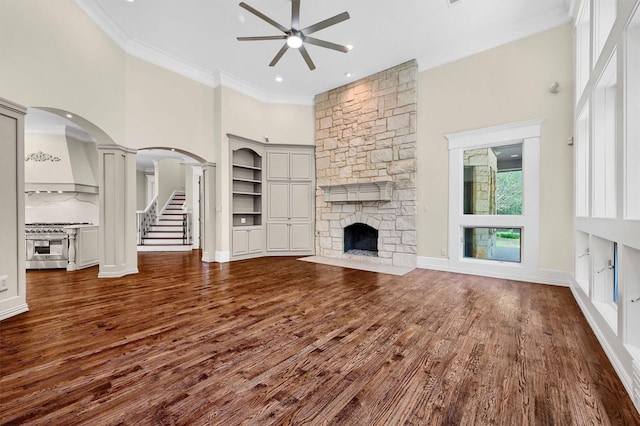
{"points": [[279, 341]]}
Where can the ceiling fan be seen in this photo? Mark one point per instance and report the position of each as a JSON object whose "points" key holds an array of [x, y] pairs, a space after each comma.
{"points": [[296, 37]]}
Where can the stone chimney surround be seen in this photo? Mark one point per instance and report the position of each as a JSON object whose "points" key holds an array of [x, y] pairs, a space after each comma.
{"points": [[366, 165]]}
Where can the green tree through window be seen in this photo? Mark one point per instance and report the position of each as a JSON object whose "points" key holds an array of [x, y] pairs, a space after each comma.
{"points": [[509, 192]]}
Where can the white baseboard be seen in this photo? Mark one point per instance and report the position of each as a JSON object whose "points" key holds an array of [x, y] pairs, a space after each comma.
{"points": [[611, 353], [14, 311], [117, 274], [541, 276]]}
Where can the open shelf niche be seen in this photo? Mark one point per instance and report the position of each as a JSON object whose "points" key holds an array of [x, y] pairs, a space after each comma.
{"points": [[583, 261], [246, 188]]}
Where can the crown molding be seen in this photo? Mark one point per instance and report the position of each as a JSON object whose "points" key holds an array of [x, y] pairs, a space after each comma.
{"points": [[462, 48], [231, 82], [179, 66], [59, 130], [170, 62]]}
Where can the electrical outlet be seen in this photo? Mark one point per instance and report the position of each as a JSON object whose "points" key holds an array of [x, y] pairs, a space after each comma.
{"points": [[443, 252], [243, 220], [4, 282]]}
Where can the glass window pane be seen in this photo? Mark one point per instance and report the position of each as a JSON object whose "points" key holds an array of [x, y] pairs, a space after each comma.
{"points": [[493, 180], [501, 244]]}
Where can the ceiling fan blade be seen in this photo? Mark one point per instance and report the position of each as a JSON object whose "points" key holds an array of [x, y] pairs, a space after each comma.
{"points": [[282, 37], [295, 14], [326, 23], [263, 17], [307, 58], [279, 55], [326, 44]]}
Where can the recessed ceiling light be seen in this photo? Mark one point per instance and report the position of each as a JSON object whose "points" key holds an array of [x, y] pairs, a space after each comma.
{"points": [[347, 74], [279, 79], [69, 116], [130, 1]]}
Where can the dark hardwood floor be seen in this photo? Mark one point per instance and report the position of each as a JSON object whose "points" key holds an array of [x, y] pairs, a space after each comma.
{"points": [[280, 341]]}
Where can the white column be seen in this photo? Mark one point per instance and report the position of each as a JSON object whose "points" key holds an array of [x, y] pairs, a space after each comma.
{"points": [[208, 212], [195, 215], [118, 250]]}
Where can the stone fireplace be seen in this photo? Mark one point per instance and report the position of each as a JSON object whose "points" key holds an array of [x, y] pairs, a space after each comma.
{"points": [[366, 168], [361, 239]]}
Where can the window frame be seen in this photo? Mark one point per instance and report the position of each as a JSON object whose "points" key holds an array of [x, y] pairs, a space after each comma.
{"points": [[528, 133]]}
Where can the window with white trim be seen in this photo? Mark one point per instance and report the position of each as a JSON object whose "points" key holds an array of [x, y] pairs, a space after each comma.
{"points": [[494, 199]]}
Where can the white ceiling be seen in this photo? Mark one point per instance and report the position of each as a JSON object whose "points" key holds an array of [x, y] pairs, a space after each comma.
{"points": [[197, 38]]}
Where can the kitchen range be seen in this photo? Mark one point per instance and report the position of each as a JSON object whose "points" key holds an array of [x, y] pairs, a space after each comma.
{"points": [[47, 244]]}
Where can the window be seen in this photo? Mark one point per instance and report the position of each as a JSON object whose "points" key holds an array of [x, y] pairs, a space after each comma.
{"points": [[494, 200], [604, 143], [632, 118], [493, 180]]}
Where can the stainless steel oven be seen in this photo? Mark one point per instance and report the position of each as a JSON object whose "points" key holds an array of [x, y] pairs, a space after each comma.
{"points": [[46, 246]]}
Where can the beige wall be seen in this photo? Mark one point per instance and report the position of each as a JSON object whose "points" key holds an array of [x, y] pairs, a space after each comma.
{"points": [[503, 85], [141, 190], [54, 56], [170, 178], [165, 109]]}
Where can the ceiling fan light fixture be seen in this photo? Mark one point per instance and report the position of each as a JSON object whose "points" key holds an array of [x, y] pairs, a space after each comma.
{"points": [[294, 41]]}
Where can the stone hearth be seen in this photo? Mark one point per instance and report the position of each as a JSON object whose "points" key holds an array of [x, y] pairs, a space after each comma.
{"points": [[366, 134]]}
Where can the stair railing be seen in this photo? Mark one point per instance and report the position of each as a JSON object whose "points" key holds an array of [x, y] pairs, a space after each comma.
{"points": [[146, 218], [186, 224]]}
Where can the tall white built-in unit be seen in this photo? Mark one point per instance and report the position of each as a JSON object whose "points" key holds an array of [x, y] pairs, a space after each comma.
{"points": [[13, 288], [607, 179], [272, 199]]}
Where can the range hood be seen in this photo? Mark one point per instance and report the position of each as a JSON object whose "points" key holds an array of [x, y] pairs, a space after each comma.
{"points": [[60, 159]]}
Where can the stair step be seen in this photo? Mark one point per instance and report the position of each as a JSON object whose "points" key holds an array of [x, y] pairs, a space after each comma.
{"points": [[162, 241], [165, 228], [165, 234]]}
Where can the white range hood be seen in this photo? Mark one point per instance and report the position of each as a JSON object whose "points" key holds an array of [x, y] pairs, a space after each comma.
{"points": [[60, 159]]}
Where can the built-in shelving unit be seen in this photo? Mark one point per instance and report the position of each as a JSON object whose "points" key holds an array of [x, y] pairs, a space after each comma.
{"points": [[246, 187], [607, 179]]}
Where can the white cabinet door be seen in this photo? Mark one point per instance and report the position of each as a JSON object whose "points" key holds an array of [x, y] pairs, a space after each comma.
{"points": [[278, 236], [294, 165], [240, 242], [277, 165], [278, 201], [300, 165], [301, 236], [300, 201], [255, 240]]}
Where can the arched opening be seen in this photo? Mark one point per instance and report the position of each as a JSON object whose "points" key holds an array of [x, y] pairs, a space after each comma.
{"points": [[168, 199]]}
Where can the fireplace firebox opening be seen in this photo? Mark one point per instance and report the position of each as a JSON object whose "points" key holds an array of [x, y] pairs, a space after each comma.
{"points": [[361, 239]]}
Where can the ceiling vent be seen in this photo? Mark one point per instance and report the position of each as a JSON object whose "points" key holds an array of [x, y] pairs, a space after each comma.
{"points": [[453, 2]]}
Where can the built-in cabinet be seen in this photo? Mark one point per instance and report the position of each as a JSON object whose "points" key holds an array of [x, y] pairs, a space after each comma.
{"points": [[13, 288], [272, 198], [246, 199], [607, 177], [290, 210]]}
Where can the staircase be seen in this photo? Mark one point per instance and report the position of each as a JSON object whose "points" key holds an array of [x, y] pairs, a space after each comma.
{"points": [[168, 234]]}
